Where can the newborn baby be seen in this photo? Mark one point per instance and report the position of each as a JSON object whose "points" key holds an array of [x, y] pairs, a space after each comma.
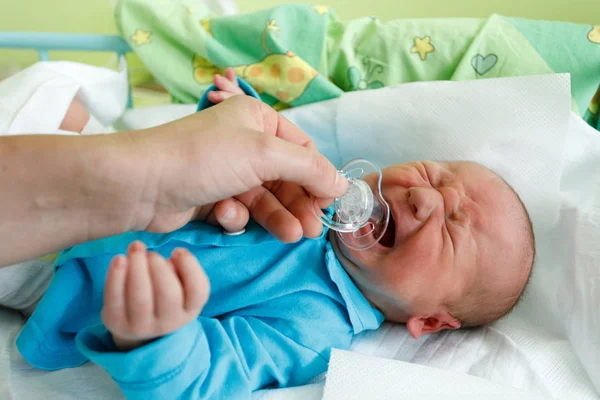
{"points": [[458, 252]]}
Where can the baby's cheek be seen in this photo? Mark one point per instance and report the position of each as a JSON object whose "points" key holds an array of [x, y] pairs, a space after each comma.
{"points": [[424, 257]]}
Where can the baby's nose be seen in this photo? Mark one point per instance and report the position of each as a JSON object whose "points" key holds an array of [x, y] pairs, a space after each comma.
{"points": [[423, 202]]}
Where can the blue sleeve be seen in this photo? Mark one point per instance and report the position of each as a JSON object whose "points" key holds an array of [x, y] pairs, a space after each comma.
{"points": [[227, 358], [204, 102]]}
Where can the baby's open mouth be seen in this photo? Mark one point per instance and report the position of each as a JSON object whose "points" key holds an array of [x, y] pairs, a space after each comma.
{"points": [[389, 237]]}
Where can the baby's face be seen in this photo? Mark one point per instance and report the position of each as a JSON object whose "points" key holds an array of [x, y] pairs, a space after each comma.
{"points": [[447, 225]]}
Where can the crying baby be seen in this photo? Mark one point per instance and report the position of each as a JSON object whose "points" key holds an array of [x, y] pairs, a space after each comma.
{"points": [[198, 313]]}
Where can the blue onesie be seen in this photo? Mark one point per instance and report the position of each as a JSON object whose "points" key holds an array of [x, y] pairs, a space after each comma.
{"points": [[274, 313]]}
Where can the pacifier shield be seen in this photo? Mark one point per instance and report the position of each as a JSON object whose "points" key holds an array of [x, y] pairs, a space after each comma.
{"points": [[361, 215]]}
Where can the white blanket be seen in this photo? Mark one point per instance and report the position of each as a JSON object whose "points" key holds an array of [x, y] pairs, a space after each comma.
{"points": [[558, 362], [36, 99]]}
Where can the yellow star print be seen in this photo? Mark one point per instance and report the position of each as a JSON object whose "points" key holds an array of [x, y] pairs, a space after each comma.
{"points": [[594, 34], [206, 25], [272, 25], [321, 9], [190, 10], [423, 46], [140, 37]]}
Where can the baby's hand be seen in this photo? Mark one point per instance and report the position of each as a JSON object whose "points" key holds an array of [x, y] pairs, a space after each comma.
{"points": [[228, 86], [146, 296]]}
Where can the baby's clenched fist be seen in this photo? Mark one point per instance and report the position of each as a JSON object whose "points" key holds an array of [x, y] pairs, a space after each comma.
{"points": [[146, 296]]}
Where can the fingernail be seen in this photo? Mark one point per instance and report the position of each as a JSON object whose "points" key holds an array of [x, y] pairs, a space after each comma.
{"points": [[119, 261], [230, 214], [136, 246], [340, 183], [176, 253]]}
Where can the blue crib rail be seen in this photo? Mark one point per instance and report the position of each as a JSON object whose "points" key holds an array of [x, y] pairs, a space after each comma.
{"points": [[43, 42]]}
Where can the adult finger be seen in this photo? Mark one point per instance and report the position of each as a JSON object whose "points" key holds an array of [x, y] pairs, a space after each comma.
{"points": [[268, 212], [295, 199], [230, 214]]}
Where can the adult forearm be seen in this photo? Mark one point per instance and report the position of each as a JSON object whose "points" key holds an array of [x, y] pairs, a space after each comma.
{"points": [[57, 191]]}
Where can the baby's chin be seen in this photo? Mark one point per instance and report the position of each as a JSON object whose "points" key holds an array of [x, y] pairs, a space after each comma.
{"points": [[363, 258], [339, 248], [351, 259]]}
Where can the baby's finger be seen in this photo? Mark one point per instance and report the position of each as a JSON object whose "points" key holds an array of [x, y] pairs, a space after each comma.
{"points": [[268, 211], [229, 214], [113, 310], [138, 290], [196, 287], [226, 85], [230, 75], [168, 294], [219, 97]]}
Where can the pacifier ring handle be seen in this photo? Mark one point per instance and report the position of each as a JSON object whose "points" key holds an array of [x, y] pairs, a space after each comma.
{"points": [[358, 235]]}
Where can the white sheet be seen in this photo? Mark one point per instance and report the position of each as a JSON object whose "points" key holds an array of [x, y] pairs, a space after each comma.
{"points": [[353, 376], [505, 353]]}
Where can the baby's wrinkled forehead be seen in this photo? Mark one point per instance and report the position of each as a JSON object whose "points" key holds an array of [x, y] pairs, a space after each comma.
{"points": [[480, 183], [489, 200], [499, 223], [498, 204]]}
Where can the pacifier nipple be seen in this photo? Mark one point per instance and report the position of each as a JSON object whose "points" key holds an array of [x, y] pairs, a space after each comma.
{"points": [[361, 215]]}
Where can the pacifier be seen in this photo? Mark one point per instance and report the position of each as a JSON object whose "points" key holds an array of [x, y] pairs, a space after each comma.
{"points": [[361, 216]]}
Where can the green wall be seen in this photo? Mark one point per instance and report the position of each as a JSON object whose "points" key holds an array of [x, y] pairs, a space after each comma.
{"points": [[581, 11], [73, 16]]}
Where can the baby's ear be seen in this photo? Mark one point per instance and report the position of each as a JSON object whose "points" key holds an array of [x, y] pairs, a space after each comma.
{"points": [[419, 325]]}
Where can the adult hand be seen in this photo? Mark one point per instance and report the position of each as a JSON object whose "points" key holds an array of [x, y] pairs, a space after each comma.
{"points": [[235, 159]]}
